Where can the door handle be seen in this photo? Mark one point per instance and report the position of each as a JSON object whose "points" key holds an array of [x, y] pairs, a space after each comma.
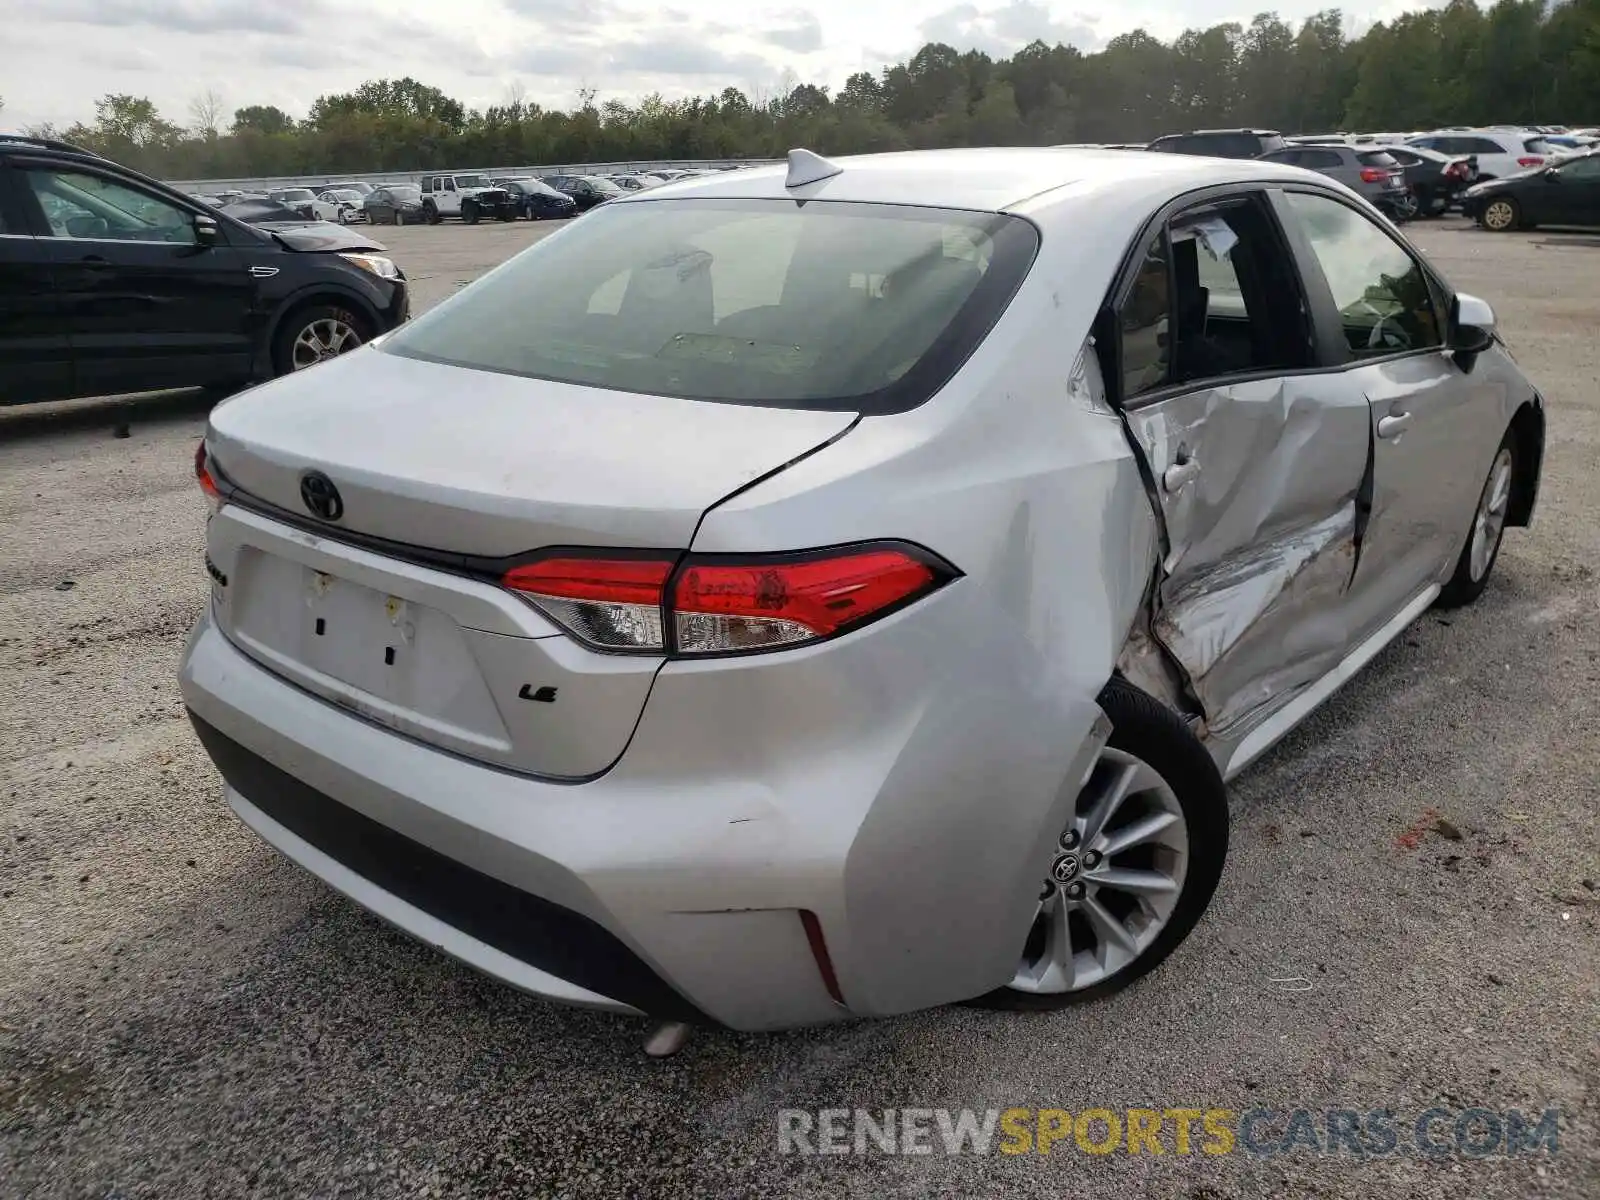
{"points": [[1180, 473], [1393, 425], [95, 260]]}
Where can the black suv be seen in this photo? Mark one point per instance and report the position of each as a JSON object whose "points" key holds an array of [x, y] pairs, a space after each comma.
{"points": [[111, 282], [1221, 143]]}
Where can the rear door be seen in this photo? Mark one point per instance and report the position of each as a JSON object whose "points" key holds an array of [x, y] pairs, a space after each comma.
{"points": [[146, 304], [1257, 458], [35, 353], [1434, 426]]}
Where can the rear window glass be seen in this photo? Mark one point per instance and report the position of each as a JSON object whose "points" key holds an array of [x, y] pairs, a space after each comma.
{"points": [[1538, 146], [1378, 158], [853, 307]]}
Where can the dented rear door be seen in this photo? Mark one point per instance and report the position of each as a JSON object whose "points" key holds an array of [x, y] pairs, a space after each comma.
{"points": [[1260, 483]]}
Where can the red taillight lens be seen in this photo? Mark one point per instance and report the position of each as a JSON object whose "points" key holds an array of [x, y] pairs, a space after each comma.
{"points": [[721, 606], [724, 604], [611, 603], [202, 472], [1373, 175], [1530, 160]]}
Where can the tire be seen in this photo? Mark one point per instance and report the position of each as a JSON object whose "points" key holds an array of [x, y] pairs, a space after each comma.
{"points": [[289, 354], [399, 217], [1150, 734], [469, 212], [1477, 559], [430, 213], [1501, 214]]}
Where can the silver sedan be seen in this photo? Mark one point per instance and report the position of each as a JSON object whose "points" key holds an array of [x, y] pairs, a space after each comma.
{"points": [[839, 589]]}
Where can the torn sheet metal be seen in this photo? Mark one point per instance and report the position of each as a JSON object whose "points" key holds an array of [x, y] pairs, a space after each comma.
{"points": [[1257, 483], [1280, 599]]}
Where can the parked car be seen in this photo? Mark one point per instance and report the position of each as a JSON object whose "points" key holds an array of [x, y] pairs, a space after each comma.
{"points": [[1372, 174], [634, 183], [1437, 180], [767, 714], [395, 204], [1566, 193], [111, 282], [585, 190], [470, 197], [536, 200], [349, 202], [1221, 143], [306, 202], [352, 185], [1500, 152]]}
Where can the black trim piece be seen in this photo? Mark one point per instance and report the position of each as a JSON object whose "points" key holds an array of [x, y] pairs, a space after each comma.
{"points": [[532, 930]]}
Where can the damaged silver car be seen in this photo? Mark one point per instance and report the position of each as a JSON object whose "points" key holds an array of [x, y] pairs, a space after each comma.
{"points": [[841, 589]]}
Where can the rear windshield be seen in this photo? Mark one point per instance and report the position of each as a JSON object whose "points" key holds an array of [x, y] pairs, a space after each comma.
{"points": [[825, 305], [851, 307], [1378, 158]]}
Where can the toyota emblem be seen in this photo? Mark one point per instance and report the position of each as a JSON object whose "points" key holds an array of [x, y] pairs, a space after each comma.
{"points": [[320, 497]]}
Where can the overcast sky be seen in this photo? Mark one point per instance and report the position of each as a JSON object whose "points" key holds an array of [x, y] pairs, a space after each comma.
{"points": [[57, 56]]}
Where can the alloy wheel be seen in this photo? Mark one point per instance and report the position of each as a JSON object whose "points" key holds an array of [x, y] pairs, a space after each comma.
{"points": [[322, 339], [1114, 883], [1490, 522], [1499, 215]]}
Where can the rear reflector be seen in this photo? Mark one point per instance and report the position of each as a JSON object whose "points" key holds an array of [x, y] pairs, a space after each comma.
{"points": [[723, 604], [1530, 160], [1373, 174], [819, 951]]}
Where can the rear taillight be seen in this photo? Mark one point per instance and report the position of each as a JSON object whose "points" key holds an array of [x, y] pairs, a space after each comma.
{"points": [[1373, 174], [610, 603], [725, 604], [202, 472], [1530, 160]]}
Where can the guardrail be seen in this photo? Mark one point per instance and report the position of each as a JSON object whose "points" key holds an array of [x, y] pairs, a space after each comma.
{"points": [[263, 183]]}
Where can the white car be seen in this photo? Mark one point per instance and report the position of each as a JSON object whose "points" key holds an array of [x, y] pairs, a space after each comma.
{"points": [[838, 591], [348, 202], [307, 203], [1500, 152], [470, 197]]}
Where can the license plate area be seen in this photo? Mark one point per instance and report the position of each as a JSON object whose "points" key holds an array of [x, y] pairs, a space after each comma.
{"points": [[403, 663]]}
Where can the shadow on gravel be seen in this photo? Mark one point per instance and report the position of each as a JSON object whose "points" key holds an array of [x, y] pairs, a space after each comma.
{"points": [[69, 416]]}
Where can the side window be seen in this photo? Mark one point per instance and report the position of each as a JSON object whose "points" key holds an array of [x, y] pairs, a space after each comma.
{"points": [[1583, 168], [1379, 289], [1145, 318], [90, 207], [1290, 158], [449, 185], [1215, 297], [1318, 159], [1478, 145]]}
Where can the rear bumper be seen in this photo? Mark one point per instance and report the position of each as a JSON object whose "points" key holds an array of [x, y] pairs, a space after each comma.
{"points": [[915, 833]]}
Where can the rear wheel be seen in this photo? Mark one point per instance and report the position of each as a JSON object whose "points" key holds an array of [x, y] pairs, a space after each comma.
{"points": [[399, 216], [1501, 215], [1135, 867], [1482, 550], [315, 334]]}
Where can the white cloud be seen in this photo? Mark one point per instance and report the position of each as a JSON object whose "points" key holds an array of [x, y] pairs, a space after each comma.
{"points": [[61, 55]]}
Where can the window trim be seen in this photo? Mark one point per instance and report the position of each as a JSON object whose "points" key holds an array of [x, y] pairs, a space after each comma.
{"points": [[1258, 192], [1320, 294]]}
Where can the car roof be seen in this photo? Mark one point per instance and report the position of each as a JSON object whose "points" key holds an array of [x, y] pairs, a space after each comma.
{"points": [[998, 179]]}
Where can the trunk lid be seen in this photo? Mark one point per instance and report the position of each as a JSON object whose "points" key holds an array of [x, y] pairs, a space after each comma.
{"points": [[475, 465]]}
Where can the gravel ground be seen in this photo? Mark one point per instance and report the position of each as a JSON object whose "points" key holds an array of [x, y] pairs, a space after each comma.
{"points": [[183, 1013]]}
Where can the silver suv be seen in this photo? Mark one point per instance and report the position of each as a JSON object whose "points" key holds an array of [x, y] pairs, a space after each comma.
{"points": [[1374, 174]]}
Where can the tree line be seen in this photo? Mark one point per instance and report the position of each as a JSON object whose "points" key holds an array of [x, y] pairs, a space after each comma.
{"points": [[1518, 61]]}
